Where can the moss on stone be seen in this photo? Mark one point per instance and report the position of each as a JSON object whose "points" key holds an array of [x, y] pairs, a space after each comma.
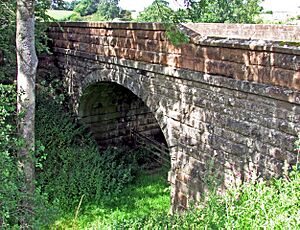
{"points": [[286, 43]]}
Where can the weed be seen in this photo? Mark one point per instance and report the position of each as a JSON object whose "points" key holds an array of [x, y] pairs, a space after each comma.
{"points": [[144, 198]]}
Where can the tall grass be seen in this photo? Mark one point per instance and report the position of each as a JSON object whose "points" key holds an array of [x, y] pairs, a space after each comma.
{"points": [[147, 196], [273, 205], [144, 204]]}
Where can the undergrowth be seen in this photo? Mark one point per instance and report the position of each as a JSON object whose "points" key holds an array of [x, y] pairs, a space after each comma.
{"points": [[147, 196], [273, 205], [8, 172], [11, 178], [72, 165], [144, 204]]}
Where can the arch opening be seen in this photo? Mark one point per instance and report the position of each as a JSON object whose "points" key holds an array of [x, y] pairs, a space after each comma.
{"points": [[117, 117]]}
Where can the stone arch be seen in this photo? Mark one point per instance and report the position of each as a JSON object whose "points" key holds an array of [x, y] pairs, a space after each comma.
{"points": [[131, 82]]}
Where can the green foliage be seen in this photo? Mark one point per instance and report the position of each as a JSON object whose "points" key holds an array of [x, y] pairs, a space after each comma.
{"points": [[7, 36], [59, 5], [268, 12], [109, 9], [297, 144], [125, 15], [41, 16], [71, 5], [158, 11], [8, 174], [86, 7], [252, 206], [104, 9], [7, 39], [228, 11], [147, 196], [73, 166], [269, 205], [222, 11], [175, 35], [261, 205], [11, 179], [73, 17]]}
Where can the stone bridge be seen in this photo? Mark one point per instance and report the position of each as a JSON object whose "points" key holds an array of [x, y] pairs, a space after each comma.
{"points": [[227, 103]]}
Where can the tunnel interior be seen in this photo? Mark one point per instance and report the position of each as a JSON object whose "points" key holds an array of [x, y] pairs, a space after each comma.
{"points": [[117, 117]]}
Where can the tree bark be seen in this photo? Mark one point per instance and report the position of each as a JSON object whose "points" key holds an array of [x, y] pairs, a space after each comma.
{"points": [[26, 66]]}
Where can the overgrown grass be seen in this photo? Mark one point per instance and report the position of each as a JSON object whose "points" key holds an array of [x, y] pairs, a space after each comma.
{"points": [[59, 14], [145, 204], [90, 187], [263, 205], [145, 198]]}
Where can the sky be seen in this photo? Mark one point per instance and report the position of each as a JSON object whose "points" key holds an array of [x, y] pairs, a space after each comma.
{"points": [[275, 5]]}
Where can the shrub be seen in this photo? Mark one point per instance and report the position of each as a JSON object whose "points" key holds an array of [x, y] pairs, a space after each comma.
{"points": [[8, 174], [262, 205], [73, 165], [11, 179]]}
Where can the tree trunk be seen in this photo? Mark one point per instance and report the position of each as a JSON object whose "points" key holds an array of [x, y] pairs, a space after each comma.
{"points": [[27, 65]]}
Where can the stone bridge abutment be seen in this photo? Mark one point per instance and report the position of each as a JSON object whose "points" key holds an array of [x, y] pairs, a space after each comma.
{"points": [[227, 106]]}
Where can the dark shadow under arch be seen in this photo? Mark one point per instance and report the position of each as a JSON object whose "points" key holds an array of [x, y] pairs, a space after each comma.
{"points": [[115, 115]]}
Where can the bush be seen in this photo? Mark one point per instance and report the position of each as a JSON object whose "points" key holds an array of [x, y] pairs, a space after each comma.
{"points": [[11, 179], [73, 165], [7, 40], [8, 174]]}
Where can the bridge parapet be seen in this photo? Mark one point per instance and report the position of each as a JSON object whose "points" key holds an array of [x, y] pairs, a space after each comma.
{"points": [[269, 32], [263, 61]]}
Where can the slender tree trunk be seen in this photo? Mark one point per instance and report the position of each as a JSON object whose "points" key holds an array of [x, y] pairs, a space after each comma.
{"points": [[27, 64]]}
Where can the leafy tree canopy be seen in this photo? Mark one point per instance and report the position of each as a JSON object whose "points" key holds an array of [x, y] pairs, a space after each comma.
{"points": [[58, 4], [223, 11], [7, 35], [158, 11], [109, 9], [86, 7], [106, 9], [230, 11]]}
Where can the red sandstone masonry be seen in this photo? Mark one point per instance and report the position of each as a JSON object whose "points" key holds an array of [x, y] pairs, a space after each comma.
{"points": [[252, 60], [247, 129], [247, 31]]}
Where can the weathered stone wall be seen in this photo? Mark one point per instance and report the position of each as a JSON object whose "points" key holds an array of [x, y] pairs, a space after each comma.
{"points": [[247, 31], [260, 61], [230, 107]]}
